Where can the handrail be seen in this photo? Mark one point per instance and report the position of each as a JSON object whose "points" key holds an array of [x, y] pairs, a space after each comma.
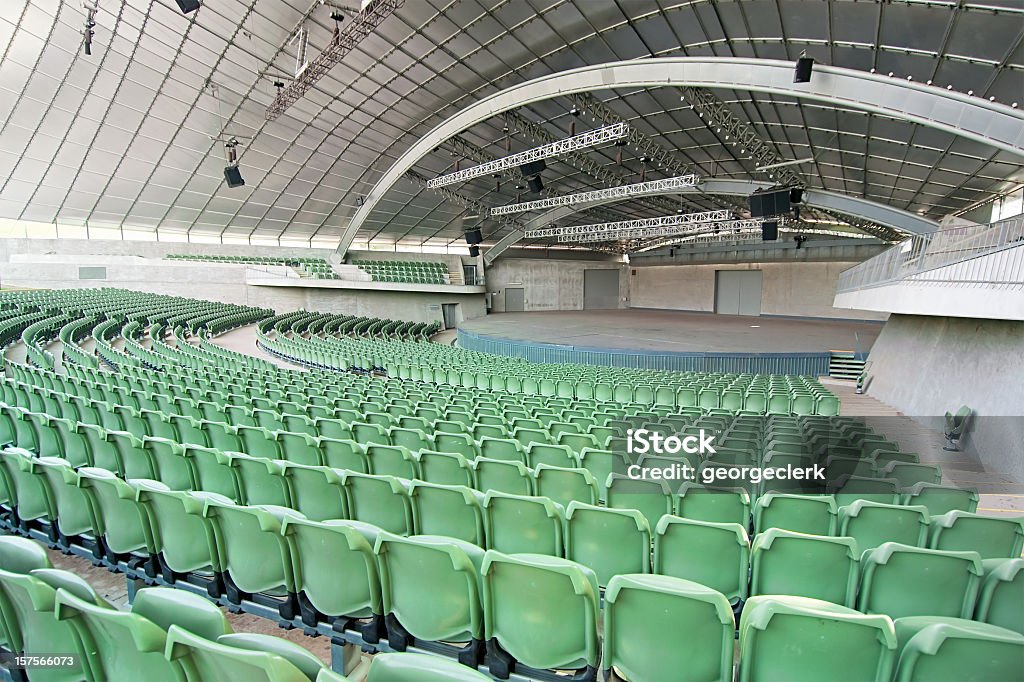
{"points": [[925, 252]]}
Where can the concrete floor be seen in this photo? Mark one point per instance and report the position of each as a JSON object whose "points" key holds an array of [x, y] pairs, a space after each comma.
{"points": [[243, 340], [661, 330]]}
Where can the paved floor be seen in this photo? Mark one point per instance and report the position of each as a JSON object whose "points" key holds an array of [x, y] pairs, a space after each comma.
{"points": [[243, 340], [660, 330]]}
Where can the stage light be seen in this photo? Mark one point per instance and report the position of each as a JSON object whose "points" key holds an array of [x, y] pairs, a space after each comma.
{"points": [[188, 6]]}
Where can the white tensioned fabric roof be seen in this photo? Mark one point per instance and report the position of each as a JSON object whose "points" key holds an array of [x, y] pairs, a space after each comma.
{"points": [[130, 136]]}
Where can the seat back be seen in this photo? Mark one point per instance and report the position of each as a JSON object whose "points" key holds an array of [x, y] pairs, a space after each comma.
{"points": [[566, 485], [316, 492], [453, 511], [936, 648], [1002, 593], [891, 581], [812, 514], [420, 668], [520, 523], [265, 659], [991, 537], [872, 523], [380, 500], [511, 477], [798, 564], [712, 554], [608, 541], [714, 504]]}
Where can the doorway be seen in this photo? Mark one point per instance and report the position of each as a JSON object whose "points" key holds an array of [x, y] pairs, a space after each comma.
{"points": [[600, 289], [515, 300], [451, 315], [738, 292]]}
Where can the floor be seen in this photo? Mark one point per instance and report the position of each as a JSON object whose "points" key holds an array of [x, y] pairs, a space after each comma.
{"points": [[662, 330], [243, 340]]}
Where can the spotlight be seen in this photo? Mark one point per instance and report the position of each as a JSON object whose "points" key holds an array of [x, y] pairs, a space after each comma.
{"points": [[359, 201], [574, 111], [188, 6], [474, 251], [799, 239], [337, 16], [232, 176], [802, 72]]}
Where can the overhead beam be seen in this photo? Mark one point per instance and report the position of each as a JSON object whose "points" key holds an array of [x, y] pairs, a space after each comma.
{"points": [[994, 125]]}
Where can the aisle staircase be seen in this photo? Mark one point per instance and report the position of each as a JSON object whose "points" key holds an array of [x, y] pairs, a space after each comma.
{"points": [[844, 364]]}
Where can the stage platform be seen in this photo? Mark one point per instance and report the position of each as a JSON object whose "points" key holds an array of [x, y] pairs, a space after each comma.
{"points": [[658, 339]]}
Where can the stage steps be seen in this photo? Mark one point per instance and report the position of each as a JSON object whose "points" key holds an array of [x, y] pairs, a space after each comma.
{"points": [[844, 364]]}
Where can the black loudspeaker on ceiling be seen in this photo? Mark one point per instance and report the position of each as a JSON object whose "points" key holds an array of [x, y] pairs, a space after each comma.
{"points": [[188, 5], [233, 176], [769, 203], [533, 168], [769, 231], [802, 72], [474, 251], [535, 185], [474, 237]]}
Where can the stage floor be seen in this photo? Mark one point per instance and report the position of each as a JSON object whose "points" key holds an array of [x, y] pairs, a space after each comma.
{"points": [[679, 332]]}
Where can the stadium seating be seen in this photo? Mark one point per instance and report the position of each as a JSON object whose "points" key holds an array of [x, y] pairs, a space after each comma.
{"points": [[990, 537], [872, 523], [610, 542], [891, 581], [1002, 591], [820, 567], [713, 554], [945, 648]]}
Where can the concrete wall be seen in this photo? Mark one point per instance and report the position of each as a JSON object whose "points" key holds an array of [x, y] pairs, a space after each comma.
{"points": [[794, 289], [138, 266], [550, 284], [925, 366]]}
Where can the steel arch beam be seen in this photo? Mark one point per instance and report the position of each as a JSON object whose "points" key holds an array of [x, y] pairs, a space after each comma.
{"points": [[896, 218], [977, 119]]}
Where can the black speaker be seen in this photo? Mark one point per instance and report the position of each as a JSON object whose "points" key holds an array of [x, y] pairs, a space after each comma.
{"points": [[796, 195], [233, 177], [535, 185], [768, 204], [474, 237], [533, 168], [188, 5], [802, 72], [769, 231], [474, 251]]}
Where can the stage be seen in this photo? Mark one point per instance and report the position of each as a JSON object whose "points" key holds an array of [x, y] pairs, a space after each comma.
{"points": [[660, 339]]}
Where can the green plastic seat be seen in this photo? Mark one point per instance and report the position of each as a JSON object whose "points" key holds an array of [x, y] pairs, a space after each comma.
{"points": [[260, 480], [802, 565], [1002, 593], [849, 489], [347, 547], [444, 468], [213, 471], [940, 499], [300, 448], [403, 667], [652, 498], [450, 610], [511, 477], [910, 474], [872, 523], [76, 517], [173, 468], [560, 591], [812, 514], [118, 645], [565, 485], [453, 511], [608, 541], [182, 536], [520, 523], [379, 500], [241, 657], [717, 505], [891, 581], [808, 640], [643, 617], [259, 442], [27, 602], [254, 554], [133, 455], [21, 555], [713, 554], [344, 454], [316, 492], [30, 489], [392, 460], [990, 536], [123, 522], [944, 648]]}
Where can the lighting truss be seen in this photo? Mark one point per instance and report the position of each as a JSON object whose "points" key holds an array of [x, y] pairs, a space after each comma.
{"points": [[640, 188], [345, 38], [728, 226], [671, 221], [590, 138], [463, 200]]}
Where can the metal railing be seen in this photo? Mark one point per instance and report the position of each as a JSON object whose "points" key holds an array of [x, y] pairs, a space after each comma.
{"points": [[922, 253]]}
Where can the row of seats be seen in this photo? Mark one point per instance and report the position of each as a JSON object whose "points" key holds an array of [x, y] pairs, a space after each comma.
{"points": [[317, 269], [167, 634], [246, 260], [327, 325], [417, 272]]}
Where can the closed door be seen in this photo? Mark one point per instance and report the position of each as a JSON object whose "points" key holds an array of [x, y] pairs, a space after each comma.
{"points": [[600, 289], [738, 292], [450, 314], [515, 300]]}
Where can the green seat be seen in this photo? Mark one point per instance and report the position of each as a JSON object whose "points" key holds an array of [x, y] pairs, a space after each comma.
{"points": [[449, 610], [608, 541], [990, 536], [1002, 593], [812, 514], [379, 500], [652, 498], [565, 485], [797, 639], [937, 648], [940, 499], [121, 645], [419, 668], [259, 480], [30, 489], [242, 657], [849, 489], [444, 468], [213, 471], [511, 477], [173, 468], [802, 565], [560, 591], [300, 448], [552, 455], [910, 474], [891, 582], [344, 454], [461, 443], [714, 504], [182, 536], [316, 492], [259, 442], [502, 448], [872, 523], [713, 554], [453, 511], [392, 460], [123, 521], [254, 554], [601, 463], [76, 517], [520, 523], [643, 618], [27, 602], [347, 547]]}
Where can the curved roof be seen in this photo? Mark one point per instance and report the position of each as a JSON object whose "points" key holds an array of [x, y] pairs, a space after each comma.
{"points": [[133, 134]]}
